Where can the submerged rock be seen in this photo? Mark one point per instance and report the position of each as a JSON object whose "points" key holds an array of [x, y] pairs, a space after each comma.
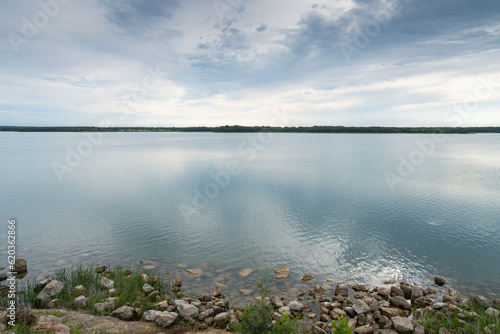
{"points": [[439, 281], [281, 272], [246, 272]]}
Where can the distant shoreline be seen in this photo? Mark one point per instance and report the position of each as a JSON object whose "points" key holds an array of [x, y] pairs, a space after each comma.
{"points": [[260, 129]]}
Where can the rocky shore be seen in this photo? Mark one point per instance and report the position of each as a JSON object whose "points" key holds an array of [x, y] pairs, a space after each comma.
{"points": [[391, 308]]}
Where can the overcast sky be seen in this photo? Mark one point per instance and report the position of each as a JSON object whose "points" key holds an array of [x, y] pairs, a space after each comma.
{"points": [[205, 62]]}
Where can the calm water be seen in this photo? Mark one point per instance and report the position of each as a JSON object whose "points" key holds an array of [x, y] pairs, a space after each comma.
{"points": [[318, 203]]}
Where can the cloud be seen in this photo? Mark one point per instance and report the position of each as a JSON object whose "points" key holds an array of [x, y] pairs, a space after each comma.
{"points": [[394, 62]]}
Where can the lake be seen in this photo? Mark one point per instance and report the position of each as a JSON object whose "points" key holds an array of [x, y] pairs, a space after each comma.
{"points": [[347, 207]]}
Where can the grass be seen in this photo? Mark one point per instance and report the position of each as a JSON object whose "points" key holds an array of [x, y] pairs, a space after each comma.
{"points": [[127, 284], [467, 324], [257, 319]]}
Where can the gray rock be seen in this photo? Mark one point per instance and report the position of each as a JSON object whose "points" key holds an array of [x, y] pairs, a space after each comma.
{"points": [[107, 283], [401, 303], [439, 305], [205, 314], [53, 303], [295, 306], [150, 315], [416, 292], [419, 330], [124, 312], [443, 330], [81, 301], [276, 301], [385, 292], [147, 288], [166, 319], [222, 319], [103, 306], [53, 288], [187, 311], [402, 324], [50, 319], [360, 306], [284, 309], [20, 266], [80, 289], [492, 312]]}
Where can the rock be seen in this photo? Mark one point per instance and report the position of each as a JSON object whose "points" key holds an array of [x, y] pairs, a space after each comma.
{"points": [[481, 300], [389, 312], [395, 291], [124, 312], [80, 289], [496, 304], [361, 319], [284, 309], [107, 283], [145, 277], [342, 290], [187, 311], [276, 301], [246, 292], [423, 301], [466, 303], [281, 272], [166, 319], [53, 288], [3, 277], [205, 314], [149, 267], [46, 327], [81, 301], [217, 292], [246, 272], [104, 306], [295, 306], [492, 312], [359, 287], [111, 292], [54, 303], [100, 269], [150, 315], [416, 292], [372, 303], [439, 306], [307, 277], [324, 318], [276, 316], [439, 281], [177, 282], [400, 302], [20, 266], [196, 272], [364, 330], [384, 292], [147, 288], [443, 330], [419, 330], [402, 324], [50, 319], [311, 315], [360, 306], [221, 319]]}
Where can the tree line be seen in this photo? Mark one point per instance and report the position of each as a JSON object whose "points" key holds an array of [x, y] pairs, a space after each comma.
{"points": [[240, 128]]}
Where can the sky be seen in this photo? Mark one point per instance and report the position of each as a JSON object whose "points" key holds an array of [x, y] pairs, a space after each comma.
{"points": [[218, 62]]}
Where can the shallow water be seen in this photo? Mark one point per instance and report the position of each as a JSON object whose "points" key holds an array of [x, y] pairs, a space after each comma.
{"points": [[319, 203]]}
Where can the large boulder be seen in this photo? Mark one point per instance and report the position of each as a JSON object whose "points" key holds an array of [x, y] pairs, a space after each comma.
{"points": [[124, 312], [166, 319], [150, 315], [222, 319], [295, 306], [53, 288], [360, 306], [401, 303], [402, 324], [187, 311], [341, 289]]}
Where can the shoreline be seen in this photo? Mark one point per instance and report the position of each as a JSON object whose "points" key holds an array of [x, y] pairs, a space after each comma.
{"points": [[318, 302]]}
